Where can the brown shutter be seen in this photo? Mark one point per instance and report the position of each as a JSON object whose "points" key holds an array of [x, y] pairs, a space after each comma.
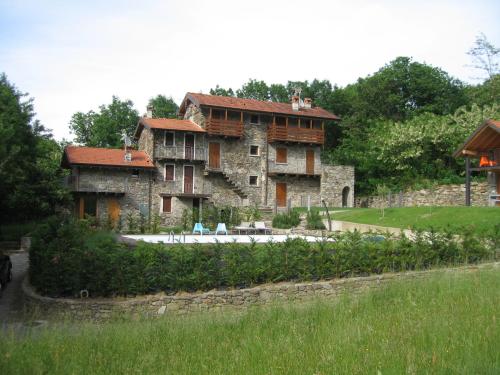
{"points": [[281, 155], [169, 173], [167, 204]]}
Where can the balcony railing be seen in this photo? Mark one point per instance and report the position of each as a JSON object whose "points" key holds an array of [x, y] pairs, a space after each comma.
{"points": [[302, 135], [179, 188], [295, 168], [187, 153], [226, 128], [96, 185]]}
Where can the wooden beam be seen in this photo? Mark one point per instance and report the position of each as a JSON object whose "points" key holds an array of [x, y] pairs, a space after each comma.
{"points": [[241, 117], [210, 114], [469, 152], [286, 122], [467, 181], [226, 115]]}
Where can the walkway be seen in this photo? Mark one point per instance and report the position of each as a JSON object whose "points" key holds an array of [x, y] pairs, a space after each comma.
{"points": [[11, 303]]}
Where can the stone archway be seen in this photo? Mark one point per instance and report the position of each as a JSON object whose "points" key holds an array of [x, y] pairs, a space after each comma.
{"points": [[345, 196]]}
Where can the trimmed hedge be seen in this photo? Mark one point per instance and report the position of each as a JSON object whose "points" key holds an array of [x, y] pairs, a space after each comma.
{"points": [[68, 256]]}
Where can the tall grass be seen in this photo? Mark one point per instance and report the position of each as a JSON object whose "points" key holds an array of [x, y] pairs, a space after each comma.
{"points": [[448, 323]]}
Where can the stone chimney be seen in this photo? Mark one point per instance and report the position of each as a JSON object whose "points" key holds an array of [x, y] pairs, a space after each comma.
{"points": [[149, 113], [295, 102], [307, 103]]}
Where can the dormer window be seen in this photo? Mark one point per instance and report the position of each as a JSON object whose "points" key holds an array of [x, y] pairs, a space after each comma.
{"points": [[169, 139], [254, 119]]}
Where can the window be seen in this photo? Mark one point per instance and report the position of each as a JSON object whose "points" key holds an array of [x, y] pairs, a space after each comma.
{"points": [[280, 121], [254, 150], [166, 204], [252, 180], [135, 173], [281, 155], [169, 139], [169, 172], [254, 119]]}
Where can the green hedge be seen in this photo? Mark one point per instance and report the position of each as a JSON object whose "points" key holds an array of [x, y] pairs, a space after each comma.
{"points": [[68, 257]]}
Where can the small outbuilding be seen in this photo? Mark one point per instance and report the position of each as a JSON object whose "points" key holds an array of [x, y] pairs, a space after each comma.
{"points": [[482, 154]]}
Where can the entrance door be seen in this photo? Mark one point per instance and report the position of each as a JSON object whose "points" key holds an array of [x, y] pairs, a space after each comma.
{"points": [[281, 194], [214, 155], [86, 206], [113, 211], [309, 161], [188, 179], [189, 146]]}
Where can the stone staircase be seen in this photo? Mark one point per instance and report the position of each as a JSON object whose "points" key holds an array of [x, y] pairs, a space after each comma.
{"points": [[233, 183]]}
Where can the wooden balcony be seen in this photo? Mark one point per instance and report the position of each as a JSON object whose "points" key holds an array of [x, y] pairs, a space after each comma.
{"points": [[180, 153], [98, 185], [224, 128], [301, 135], [293, 169]]}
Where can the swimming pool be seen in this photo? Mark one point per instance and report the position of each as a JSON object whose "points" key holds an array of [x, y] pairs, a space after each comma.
{"points": [[211, 238]]}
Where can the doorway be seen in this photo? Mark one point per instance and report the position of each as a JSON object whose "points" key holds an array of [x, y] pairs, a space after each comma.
{"points": [[309, 161], [345, 196], [188, 179], [281, 194], [214, 155], [189, 146]]}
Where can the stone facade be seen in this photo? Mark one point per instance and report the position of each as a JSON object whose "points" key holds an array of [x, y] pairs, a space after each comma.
{"points": [[183, 303], [131, 189], [248, 171], [443, 195]]}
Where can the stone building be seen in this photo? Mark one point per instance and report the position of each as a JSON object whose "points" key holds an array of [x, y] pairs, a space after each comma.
{"points": [[221, 151]]}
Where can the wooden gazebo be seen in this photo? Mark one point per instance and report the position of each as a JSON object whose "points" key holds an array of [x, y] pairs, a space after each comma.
{"points": [[484, 146]]}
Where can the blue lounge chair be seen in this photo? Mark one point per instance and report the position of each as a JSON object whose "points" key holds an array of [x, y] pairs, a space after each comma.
{"points": [[198, 228], [221, 228]]}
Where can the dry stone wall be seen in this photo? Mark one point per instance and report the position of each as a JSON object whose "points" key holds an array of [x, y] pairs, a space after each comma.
{"points": [[443, 195], [184, 303]]}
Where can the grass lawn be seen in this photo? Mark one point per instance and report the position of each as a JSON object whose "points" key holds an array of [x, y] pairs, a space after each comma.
{"points": [[448, 324], [423, 217]]}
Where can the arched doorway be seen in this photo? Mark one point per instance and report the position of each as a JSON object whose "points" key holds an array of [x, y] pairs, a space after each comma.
{"points": [[345, 196]]}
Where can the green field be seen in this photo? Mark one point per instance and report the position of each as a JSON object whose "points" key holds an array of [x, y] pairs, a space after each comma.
{"points": [[483, 218], [447, 324]]}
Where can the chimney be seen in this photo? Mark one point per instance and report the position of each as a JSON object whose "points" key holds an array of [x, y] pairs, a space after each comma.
{"points": [[307, 103], [128, 155], [295, 102], [149, 113]]}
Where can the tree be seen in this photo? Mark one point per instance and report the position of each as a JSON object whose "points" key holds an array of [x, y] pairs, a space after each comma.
{"points": [[254, 89], [30, 173], [485, 56], [163, 107], [221, 91], [104, 128]]}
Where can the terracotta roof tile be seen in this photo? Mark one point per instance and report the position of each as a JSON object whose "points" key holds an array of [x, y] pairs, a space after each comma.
{"points": [[105, 157], [167, 124], [257, 106]]}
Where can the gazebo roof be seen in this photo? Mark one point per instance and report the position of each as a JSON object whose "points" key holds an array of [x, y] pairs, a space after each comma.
{"points": [[484, 138]]}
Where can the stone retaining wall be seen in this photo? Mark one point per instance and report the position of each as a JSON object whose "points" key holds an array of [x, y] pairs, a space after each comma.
{"points": [[100, 309], [443, 195]]}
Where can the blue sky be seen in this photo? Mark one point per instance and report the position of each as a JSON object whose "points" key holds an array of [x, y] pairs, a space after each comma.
{"points": [[74, 55]]}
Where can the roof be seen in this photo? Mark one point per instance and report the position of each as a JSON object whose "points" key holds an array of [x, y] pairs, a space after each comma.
{"points": [[110, 157], [485, 137], [254, 106], [167, 124]]}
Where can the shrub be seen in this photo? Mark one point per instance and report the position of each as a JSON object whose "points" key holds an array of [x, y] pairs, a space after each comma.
{"points": [[314, 220], [286, 220], [68, 256]]}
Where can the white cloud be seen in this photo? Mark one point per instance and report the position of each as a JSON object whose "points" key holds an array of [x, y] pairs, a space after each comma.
{"points": [[74, 57]]}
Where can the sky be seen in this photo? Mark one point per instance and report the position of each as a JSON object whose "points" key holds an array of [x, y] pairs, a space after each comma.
{"points": [[73, 56]]}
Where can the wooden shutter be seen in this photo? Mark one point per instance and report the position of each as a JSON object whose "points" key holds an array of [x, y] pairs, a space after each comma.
{"points": [[167, 204], [169, 172], [281, 155]]}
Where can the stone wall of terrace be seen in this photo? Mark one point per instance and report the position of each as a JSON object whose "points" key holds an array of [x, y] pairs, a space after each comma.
{"points": [[101, 309], [443, 195]]}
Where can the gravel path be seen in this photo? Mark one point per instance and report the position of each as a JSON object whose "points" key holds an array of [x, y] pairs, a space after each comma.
{"points": [[11, 303]]}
